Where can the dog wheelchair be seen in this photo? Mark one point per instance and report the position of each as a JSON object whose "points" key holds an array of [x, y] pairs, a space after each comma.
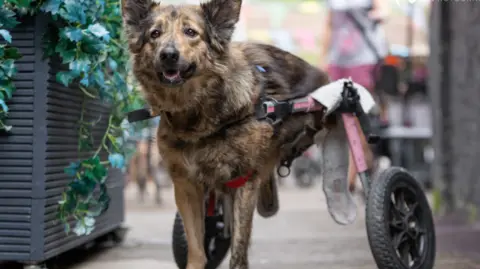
{"points": [[399, 221]]}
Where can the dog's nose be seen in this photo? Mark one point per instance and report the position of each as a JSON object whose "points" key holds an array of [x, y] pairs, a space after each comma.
{"points": [[169, 54]]}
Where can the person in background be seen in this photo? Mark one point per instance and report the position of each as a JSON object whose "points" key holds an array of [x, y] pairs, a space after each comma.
{"points": [[346, 53]]}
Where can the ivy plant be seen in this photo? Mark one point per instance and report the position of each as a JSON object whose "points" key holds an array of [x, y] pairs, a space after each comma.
{"points": [[86, 36]]}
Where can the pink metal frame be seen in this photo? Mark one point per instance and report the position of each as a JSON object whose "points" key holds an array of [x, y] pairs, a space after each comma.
{"points": [[308, 104], [355, 142], [351, 128]]}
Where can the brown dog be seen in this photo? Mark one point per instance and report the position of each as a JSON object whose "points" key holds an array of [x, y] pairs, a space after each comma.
{"points": [[204, 88]]}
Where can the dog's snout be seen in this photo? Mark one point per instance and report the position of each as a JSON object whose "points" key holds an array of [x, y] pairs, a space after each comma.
{"points": [[169, 54]]}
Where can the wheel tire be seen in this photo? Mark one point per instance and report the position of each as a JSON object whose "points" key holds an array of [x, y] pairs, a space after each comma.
{"points": [[305, 180], [378, 215], [180, 247]]}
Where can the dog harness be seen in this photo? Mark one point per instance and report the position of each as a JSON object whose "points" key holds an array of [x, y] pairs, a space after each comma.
{"points": [[266, 109]]}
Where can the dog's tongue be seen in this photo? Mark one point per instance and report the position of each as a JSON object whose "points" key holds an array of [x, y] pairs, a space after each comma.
{"points": [[171, 75]]}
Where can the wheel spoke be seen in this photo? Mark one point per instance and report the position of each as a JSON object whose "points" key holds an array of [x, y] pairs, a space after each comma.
{"points": [[396, 224], [396, 215], [400, 203], [411, 209], [405, 253], [408, 226], [399, 238], [420, 231], [414, 249]]}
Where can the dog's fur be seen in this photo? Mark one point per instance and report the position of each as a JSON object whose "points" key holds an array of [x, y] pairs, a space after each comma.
{"points": [[208, 133]]}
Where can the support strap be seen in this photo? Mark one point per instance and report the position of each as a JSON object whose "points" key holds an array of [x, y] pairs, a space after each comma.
{"points": [[239, 181]]}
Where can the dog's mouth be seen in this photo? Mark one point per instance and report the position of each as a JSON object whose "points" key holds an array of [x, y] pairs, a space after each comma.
{"points": [[171, 75], [176, 76]]}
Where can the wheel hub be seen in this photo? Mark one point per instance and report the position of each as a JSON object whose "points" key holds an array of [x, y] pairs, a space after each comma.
{"points": [[405, 228], [213, 231]]}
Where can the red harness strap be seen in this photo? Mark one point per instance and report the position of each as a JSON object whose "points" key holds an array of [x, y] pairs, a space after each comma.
{"points": [[239, 181], [211, 204], [234, 184]]}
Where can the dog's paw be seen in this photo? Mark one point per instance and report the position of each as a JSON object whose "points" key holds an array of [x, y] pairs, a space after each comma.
{"points": [[238, 265]]}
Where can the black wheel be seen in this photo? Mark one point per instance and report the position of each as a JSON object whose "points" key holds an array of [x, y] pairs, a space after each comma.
{"points": [[305, 180], [216, 245], [304, 171], [399, 221]]}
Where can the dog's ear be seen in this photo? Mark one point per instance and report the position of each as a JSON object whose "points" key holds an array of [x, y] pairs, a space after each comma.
{"points": [[136, 20], [221, 17]]}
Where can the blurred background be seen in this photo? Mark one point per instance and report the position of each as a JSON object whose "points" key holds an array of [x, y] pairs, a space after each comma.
{"points": [[432, 129]]}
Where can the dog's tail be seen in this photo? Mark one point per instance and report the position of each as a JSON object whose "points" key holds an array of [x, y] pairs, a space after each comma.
{"points": [[268, 204]]}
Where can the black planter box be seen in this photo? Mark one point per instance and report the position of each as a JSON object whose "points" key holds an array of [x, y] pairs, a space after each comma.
{"points": [[43, 141]]}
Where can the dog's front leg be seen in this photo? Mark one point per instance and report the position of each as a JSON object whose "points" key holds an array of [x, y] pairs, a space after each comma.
{"points": [[243, 209], [189, 198]]}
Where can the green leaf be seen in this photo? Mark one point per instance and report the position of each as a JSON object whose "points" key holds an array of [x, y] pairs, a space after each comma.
{"points": [[85, 143], [7, 128], [72, 169], [3, 105], [98, 30], [95, 212], [6, 35], [66, 228], [80, 186], [99, 78], [116, 160], [93, 45], [7, 18], [7, 90], [52, 6], [65, 48], [8, 67], [12, 53], [74, 12], [112, 64], [65, 78], [80, 228], [73, 34], [80, 66], [89, 221], [84, 81], [100, 171], [21, 3], [67, 56]]}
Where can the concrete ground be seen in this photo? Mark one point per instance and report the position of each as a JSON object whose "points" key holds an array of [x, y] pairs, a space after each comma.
{"points": [[301, 236]]}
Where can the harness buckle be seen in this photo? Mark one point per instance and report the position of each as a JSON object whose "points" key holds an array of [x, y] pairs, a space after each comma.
{"points": [[283, 170], [275, 110]]}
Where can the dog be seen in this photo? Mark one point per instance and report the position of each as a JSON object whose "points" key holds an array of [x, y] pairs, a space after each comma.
{"points": [[205, 88], [143, 167]]}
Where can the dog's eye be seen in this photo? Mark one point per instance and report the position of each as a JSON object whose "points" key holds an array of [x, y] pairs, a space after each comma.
{"points": [[155, 34], [190, 32]]}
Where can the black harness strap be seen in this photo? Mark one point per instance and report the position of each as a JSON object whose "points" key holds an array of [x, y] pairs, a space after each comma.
{"points": [[139, 115], [266, 109]]}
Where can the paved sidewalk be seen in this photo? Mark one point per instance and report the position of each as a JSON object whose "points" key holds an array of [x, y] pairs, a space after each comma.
{"points": [[301, 236]]}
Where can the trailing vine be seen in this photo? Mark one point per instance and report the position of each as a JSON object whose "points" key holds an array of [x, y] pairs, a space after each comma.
{"points": [[86, 36]]}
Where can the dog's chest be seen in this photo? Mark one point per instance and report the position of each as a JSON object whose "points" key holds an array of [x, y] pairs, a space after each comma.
{"points": [[198, 162], [217, 159]]}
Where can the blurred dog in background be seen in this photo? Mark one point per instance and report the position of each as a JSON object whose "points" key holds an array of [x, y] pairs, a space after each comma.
{"points": [[146, 166]]}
